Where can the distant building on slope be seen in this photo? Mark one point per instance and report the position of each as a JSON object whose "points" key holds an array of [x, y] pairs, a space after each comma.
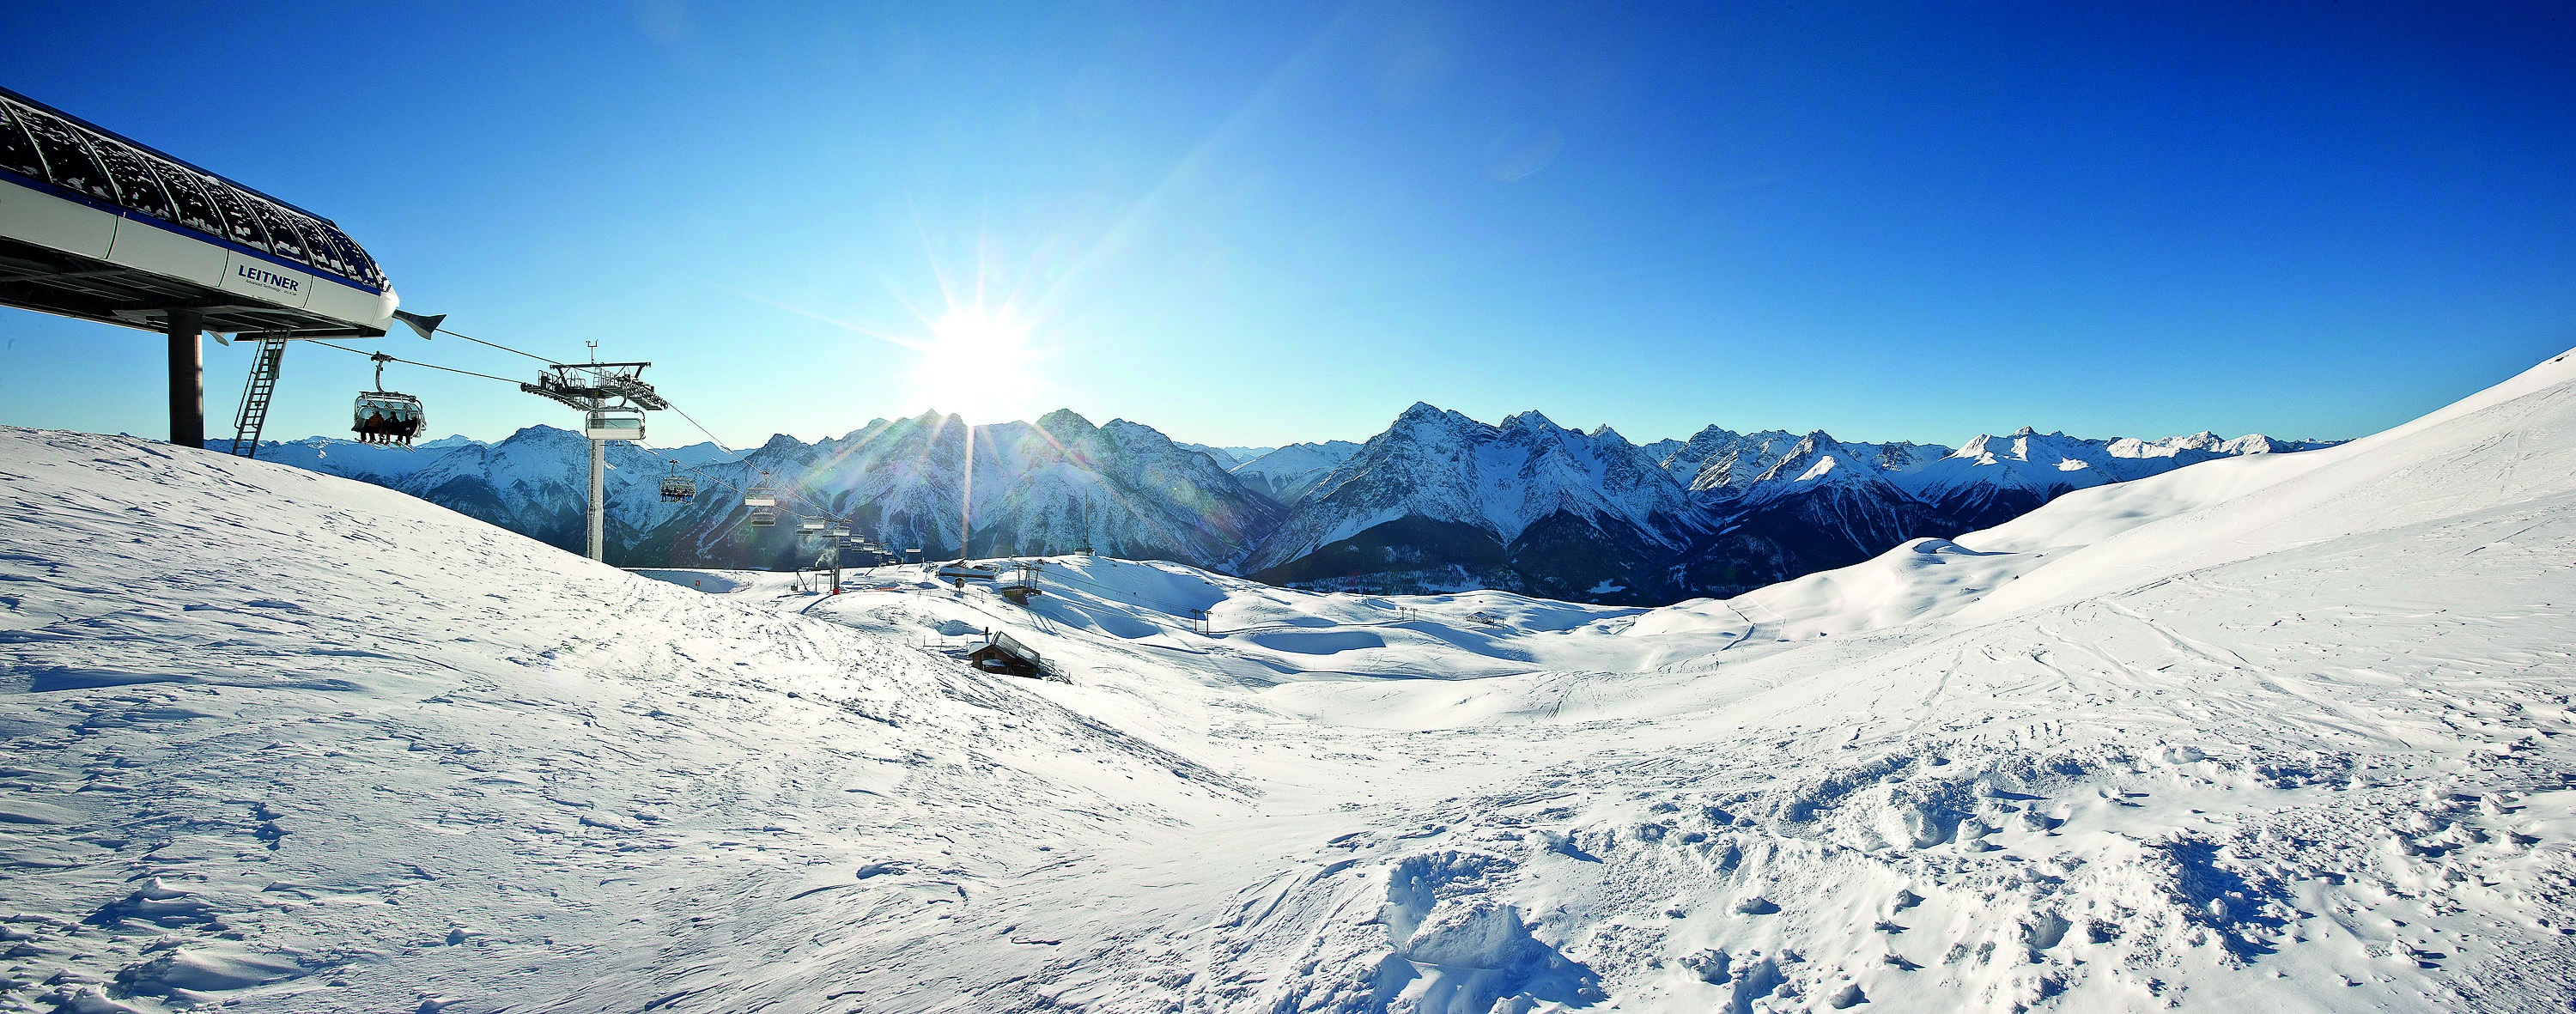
{"points": [[1004, 654]]}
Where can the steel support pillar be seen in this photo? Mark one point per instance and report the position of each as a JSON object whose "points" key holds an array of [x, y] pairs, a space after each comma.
{"points": [[598, 496], [187, 379]]}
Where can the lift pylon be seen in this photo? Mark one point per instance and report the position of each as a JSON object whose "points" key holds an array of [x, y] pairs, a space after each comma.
{"points": [[612, 398]]}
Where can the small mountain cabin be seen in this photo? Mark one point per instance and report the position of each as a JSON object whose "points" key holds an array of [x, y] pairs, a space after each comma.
{"points": [[1005, 655]]}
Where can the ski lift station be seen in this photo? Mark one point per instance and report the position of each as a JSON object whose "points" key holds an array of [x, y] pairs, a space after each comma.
{"points": [[98, 227]]}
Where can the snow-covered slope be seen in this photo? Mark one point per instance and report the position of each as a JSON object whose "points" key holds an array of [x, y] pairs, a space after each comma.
{"points": [[2283, 732], [1783, 506], [287, 740], [1990, 480], [2498, 446], [536, 483], [2272, 733]]}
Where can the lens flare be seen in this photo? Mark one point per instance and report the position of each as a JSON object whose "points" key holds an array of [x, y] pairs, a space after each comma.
{"points": [[977, 364]]}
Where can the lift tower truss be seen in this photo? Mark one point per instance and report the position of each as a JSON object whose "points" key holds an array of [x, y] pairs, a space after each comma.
{"points": [[613, 398]]}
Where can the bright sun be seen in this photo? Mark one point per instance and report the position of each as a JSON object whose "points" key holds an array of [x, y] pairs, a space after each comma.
{"points": [[977, 365]]}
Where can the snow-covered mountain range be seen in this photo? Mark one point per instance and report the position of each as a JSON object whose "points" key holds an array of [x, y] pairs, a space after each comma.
{"points": [[1288, 473], [1228, 457], [1440, 500], [1437, 502]]}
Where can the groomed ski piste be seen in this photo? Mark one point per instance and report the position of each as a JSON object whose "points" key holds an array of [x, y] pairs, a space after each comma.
{"points": [[2285, 732]]}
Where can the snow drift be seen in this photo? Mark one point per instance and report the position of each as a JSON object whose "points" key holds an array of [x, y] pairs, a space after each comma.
{"points": [[289, 739], [2287, 732]]}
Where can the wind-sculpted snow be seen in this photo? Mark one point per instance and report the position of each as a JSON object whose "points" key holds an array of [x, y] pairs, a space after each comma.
{"points": [[2311, 758], [2287, 732], [282, 738]]}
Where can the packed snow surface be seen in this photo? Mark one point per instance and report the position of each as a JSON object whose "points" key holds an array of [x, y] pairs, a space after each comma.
{"points": [[2283, 732]]}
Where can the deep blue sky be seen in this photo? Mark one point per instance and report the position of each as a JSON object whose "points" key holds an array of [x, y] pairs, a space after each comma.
{"points": [[1257, 223]]}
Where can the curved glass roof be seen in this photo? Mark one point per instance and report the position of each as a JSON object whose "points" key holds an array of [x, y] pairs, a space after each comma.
{"points": [[43, 144]]}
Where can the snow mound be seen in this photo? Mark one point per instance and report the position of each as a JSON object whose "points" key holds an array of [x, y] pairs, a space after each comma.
{"points": [[358, 751], [2507, 444], [2285, 732]]}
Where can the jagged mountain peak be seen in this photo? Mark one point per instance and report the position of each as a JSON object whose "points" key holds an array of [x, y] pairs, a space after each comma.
{"points": [[1488, 485], [1818, 457], [537, 433], [1065, 424], [1712, 436]]}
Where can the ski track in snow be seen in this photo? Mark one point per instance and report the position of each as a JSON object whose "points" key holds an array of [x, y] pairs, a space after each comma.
{"points": [[2256, 734]]}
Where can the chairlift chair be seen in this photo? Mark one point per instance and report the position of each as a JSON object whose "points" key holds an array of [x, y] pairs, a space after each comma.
{"points": [[387, 418], [677, 488], [763, 517], [761, 494]]}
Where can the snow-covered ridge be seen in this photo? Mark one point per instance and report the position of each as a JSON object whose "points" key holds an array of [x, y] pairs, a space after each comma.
{"points": [[1722, 511], [2266, 732], [1444, 467], [288, 740], [1227, 457], [1287, 474]]}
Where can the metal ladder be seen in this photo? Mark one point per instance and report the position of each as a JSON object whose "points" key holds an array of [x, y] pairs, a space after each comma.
{"points": [[256, 395]]}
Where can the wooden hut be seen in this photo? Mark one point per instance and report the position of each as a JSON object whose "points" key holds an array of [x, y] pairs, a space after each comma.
{"points": [[1004, 654]]}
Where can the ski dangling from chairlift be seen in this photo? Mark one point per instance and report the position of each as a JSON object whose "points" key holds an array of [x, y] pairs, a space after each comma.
{"points": [[677, 488], [387, 418]]}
